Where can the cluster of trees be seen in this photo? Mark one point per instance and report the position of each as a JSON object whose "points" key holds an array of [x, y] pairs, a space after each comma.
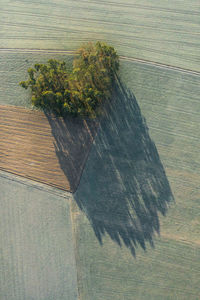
{"points": [[80, 91]]}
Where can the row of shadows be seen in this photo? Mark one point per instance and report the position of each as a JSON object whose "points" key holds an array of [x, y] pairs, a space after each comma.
{"points": [[124, 186]]}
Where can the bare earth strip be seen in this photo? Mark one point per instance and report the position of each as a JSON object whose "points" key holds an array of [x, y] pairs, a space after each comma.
{"points": [[44, 148]]}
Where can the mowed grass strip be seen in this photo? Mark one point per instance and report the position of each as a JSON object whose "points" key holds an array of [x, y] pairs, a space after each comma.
{"points": [[44, 148], [37, 258], [169, 271]]}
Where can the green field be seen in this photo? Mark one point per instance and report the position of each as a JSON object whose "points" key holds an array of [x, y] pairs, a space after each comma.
{"points": [[124, 199], [162, 31], [37, 251], [169, 101], [170, 271]]}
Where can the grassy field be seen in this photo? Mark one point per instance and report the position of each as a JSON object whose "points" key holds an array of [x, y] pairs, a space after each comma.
{"points": [[169, 101], [168, 272], [125, 197], [162, 31], [152, 30], [37, 253]]}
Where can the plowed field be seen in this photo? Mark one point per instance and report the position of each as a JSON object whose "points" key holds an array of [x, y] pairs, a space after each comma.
{"points": [[44, 148]]}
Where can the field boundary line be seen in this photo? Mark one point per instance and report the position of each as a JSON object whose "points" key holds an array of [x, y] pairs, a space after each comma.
{"points": [[27, 50], [126, 58], [149, 62], [35, 184], [75, 243]]}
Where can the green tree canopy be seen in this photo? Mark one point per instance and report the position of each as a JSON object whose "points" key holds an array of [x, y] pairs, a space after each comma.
{"points": [[78, 92]]}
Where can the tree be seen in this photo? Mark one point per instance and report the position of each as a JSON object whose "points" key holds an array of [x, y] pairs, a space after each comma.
{"points": [[78, 92]]}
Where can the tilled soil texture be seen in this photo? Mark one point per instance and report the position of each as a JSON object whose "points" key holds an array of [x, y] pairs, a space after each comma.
{"points": [[45, 148]]}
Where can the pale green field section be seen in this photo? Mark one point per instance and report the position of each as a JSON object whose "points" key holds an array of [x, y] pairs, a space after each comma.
{"points": [[37, 252], [162, 31], [169, 100], [169, 272], [37, 255]]}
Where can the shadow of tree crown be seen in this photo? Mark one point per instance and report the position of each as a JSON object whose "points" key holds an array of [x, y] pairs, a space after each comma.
{"points": [[124, 185]]}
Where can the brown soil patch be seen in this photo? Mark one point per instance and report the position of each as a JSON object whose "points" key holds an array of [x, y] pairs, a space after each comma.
{"points": [[43, 147]]}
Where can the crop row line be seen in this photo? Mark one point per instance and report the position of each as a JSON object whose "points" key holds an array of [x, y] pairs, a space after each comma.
{"points": [[144, 7], [99, 21]]}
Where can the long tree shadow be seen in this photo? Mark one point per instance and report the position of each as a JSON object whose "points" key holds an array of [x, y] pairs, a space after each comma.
{"points": [[73, 138], [124, 186]]}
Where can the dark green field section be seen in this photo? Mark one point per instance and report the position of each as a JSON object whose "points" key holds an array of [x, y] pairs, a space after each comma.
{"points": [[37, 252], [162, 31], [125, 177], [170, 103]]}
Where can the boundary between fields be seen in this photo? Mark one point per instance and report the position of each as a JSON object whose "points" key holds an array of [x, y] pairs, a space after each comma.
{"points": [[126, 58], [35, 184], [156, 64]]}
